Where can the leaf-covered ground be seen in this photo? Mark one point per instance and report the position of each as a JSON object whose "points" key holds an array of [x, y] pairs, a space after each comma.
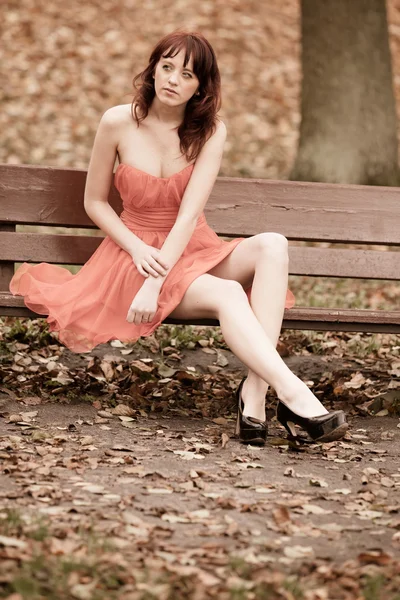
{"points": [[122, 476]]}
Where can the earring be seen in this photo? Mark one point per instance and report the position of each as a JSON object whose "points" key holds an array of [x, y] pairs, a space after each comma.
{"points": [[197, 93]]}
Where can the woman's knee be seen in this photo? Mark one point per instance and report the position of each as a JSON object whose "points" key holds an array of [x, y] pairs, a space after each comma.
{"points": [[207, 295], [273, 244], [229, 293], [231, 287]]}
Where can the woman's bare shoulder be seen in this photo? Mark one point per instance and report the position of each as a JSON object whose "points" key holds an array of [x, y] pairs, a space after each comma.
{"points": [[117, 115], [220, 128], [218, 137]]}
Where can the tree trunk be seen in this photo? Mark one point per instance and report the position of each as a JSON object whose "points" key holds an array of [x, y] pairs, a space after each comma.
{"points": [[348, 126]]}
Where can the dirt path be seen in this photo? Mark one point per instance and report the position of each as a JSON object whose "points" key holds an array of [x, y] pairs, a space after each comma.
{"points": [[101, 502], [329, 501]]}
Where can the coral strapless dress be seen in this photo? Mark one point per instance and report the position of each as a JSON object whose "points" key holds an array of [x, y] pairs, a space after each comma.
{"points": [[90, 307]]}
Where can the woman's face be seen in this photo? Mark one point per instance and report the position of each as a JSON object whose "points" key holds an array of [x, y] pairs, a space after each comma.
{"points": [[175, 84]]}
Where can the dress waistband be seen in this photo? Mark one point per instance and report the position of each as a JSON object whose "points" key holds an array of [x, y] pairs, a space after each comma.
{"points": [[154, 219]]}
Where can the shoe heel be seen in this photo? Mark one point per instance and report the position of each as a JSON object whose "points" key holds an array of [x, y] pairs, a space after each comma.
{"points": [[290, 428], [283, 416], [237, 429]]}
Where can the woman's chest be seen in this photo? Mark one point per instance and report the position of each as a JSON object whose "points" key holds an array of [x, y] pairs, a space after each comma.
{"points": [[156, 152]]}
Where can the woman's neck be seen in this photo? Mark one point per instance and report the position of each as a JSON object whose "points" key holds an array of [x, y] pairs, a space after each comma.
{"points": [[166, 115]]}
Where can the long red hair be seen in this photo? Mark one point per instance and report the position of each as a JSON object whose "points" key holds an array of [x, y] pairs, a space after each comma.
{"points": [[200, 117]]}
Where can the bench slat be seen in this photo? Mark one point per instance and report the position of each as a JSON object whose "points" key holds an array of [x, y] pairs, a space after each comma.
{"points": [[318, 319], [330, 262], [57, 249], [306, 211], [301, 211]]}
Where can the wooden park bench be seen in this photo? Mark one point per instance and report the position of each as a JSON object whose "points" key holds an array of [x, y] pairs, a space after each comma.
{"points": [[311, 212]]}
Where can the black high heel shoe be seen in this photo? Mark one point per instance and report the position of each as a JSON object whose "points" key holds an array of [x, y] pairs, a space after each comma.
{"points": [[326, 428], [249, 430]]}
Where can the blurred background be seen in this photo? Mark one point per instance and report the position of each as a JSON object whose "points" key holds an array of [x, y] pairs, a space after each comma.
{"points": [[62, 64]]}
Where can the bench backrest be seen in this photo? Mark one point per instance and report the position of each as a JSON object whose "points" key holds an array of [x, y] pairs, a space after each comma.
{"points": [[312, 212]]}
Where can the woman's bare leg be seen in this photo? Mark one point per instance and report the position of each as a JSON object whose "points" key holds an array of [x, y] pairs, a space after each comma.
{"points": [[209, 297], [262, 262]]}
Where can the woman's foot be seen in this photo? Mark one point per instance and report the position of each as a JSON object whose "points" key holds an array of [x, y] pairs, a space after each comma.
{"points": [[296, 396], [325, 428], [249, 429], [300, 399]]}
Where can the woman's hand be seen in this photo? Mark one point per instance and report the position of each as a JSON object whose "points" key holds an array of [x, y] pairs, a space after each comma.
{"points": [[145, 303], [147, 260]]}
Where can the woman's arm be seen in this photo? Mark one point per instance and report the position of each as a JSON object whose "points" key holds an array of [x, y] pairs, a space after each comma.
{"points": [[193, 202], [99, 179]]}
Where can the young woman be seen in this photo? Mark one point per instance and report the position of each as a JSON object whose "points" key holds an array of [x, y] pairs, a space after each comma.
{"points": [[161, 258]]}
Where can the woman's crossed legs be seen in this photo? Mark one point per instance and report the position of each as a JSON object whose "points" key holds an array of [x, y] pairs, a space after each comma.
{"points": [[252, 330]]}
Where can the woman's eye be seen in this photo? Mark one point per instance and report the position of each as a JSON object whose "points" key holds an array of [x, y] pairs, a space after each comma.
{"points": [[188, 75], [165, 67]]}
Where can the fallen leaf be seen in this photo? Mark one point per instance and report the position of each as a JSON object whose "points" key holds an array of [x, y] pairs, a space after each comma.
{"points": [[121, 410], [378, 557], [224, 439], [318, 483], [298, 552], [12, 542]]}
